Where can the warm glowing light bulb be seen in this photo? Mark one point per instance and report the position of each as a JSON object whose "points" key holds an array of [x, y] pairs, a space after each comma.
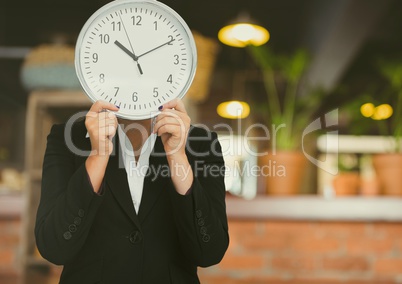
{"points": [[233, 109], [382, 112], [367, 110], [243, 34]]}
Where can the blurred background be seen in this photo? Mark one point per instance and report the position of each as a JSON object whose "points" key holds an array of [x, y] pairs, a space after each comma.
{"points": [[316, 200]]}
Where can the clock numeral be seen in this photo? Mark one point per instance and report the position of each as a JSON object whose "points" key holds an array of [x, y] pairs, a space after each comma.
{"points": [[136, 20], [135, 97], [116, 26], [171, 40], [117, 90], [156, 94], [176, 61], [156, 25], [95, 57], [104, 38], [170, 79], [101, 78]]}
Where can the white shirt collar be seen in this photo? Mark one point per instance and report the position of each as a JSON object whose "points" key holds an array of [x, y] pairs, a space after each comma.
{"points": [[136, 170]]}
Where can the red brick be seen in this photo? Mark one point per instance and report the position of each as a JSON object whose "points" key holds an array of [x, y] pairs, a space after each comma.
{"points": [[321, 252], [388, 230], [388, 266], [365, 246], [216, 279], [292, 264], [338, 281], [8, 277], [6, 258], [7, 240], [340, 229], [243, 262], [289, 227], [346, 263], [240, 228], [266, 242], [13, 225], [316, 246], [398, 246]]}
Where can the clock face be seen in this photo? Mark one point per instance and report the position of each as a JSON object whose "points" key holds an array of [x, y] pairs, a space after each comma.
{"points": [[137, 55]]}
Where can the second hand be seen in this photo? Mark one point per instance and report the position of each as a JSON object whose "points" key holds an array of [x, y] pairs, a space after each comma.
{"points": [[132, 49]]}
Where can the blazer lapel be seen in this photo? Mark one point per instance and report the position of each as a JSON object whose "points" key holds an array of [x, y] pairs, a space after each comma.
{"points": [[158, 175], [116, 179]]}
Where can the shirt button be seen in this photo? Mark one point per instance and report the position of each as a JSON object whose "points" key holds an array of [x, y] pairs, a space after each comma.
{"points": [[77, 221], [67, 235], [72, 228], [81, 213], [198, 213], [201, 222], [206, 238], [203, 230]]}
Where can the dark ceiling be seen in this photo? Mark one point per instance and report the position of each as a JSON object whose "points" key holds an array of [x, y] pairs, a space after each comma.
{"points": [[292, 24], [33, 22]]}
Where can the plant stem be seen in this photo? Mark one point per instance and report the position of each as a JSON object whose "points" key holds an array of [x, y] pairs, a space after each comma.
{"points": [[289, 109], [397, 126], [272, 95]]}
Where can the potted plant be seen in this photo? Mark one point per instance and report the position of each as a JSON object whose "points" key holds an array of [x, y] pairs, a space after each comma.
{"points": [[287, 113], [388, 166], [347, 181]]}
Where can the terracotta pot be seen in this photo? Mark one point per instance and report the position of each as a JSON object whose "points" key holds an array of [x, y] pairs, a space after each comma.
{"points": [[388, 168], [369, 187], [347, 183], [283, 172]]}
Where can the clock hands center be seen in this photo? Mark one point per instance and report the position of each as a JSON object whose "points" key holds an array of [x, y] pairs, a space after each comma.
{"points": [[153, 49], [132, 55]]}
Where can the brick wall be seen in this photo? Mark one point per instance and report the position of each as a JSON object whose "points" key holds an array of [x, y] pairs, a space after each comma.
{"points": [[9, 249], [309, 252], [280, 252]]}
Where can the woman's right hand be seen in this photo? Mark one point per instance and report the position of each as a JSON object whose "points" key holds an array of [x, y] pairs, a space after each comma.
{"points": [[101, 126]]}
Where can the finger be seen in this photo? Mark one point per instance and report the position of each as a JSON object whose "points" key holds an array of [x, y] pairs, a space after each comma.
{"points": [[167, 121], [105, 118], [174, 113], [111, 131], [100, 105], [109, 117], [177, 104], [91, 114], [167, 128], [107, 131], [169, 113]]}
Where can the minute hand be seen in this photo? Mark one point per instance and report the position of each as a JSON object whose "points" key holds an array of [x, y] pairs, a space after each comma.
{"points": [[155, 48]]}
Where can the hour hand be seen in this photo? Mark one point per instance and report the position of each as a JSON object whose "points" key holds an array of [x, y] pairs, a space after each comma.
{"points": [[132, 55]]}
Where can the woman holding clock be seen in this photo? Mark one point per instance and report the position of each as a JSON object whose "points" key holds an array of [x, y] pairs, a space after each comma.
{"points": [[145, 203]]}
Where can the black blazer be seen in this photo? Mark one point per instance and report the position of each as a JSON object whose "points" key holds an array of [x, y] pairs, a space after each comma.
{"points": [[101, 239]]}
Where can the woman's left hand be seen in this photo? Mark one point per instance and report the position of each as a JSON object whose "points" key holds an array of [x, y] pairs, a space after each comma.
{"points": [[173, 124]]}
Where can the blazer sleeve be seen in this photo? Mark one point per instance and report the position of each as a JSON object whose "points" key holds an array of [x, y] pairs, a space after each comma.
{"points": [[68, 204], [200, 216]]}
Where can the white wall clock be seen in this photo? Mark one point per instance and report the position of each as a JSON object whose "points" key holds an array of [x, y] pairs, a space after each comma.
{"points": [[136, 54]]}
